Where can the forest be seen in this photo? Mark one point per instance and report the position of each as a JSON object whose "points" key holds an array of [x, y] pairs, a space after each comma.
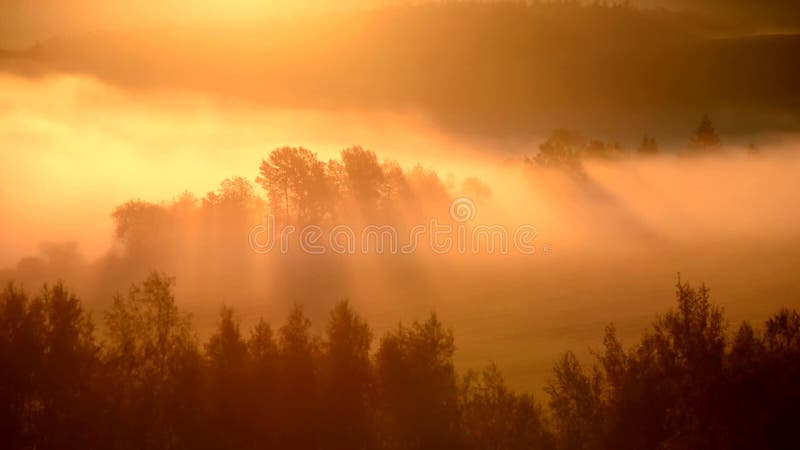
{"points": [[399, 225], [142, 380], [142, 377], [600, 210]]}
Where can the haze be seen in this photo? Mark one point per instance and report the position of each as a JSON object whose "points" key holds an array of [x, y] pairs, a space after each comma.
{"points": [[101, 104]]}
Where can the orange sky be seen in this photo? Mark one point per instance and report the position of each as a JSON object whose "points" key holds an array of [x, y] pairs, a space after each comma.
{"points": [[23, 21]]}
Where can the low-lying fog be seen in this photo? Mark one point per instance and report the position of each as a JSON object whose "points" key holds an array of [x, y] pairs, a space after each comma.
{"points": [[610, 243]]}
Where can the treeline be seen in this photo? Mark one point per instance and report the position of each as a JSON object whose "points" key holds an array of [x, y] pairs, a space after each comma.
{"points": [[205, 237], [146, 382], [300, 188], [295, 187], [565, 148]]}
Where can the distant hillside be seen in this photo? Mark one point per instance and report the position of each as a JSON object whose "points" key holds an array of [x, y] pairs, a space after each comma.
{"points": [[762, 14], [489, 69]]}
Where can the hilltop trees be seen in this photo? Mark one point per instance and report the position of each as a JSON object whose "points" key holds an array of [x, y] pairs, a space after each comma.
{"points": [[364, 178], [561, 149], [565, 149], [303, 190], [296, 185]]}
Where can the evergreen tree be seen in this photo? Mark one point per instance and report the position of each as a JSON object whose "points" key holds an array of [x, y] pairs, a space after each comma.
{"points": [[705, 138]]}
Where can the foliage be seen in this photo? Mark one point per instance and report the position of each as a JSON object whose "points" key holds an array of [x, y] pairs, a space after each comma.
{"points": [[688, 384], [705, 138]]}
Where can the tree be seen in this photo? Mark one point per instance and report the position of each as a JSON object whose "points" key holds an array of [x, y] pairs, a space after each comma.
{"points": [[648, 147], [561, 150], [364, 178], [235, 199], [395, 185], [684, 385], [236, 190], [149, 340], [783, 331], [348, 380], [22, 344], [264, 385], [429, 193], [226, 350], [299, 398], [49, 383], [297, 185], [142, 228], [494, 417], [232, 210], [670, 391], [230, 410], [418, 387], [70, 398], [705, 138], [686, 350], [576, 403], [776, 391]]}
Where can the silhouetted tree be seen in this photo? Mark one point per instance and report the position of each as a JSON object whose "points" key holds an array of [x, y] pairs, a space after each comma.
{"points": [[49, 384], [648, 147], [705, 138], [364, 178], [348, 381], [142, 228], [264, 386], [684, 385], [576, 403], [70, 401], [561, 150], [229, 409], [296, 183], [298, 396], [21, 352], [418, 387], [495, 417], [148, 339], [395, 189]]}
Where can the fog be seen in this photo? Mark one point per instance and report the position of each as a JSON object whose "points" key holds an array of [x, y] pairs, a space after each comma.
{"points": [[611, 237], [72, 144]]}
